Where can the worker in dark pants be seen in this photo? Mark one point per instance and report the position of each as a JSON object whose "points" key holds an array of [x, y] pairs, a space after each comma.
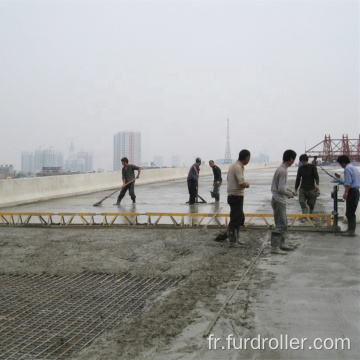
{"points": [[192, 180], [308, 176], [351, 193], [217, 181], [236, 186], [280, 193], [128, 174]]}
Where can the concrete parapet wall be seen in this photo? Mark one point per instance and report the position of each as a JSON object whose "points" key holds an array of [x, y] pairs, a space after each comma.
{"points": [[28, 190]]}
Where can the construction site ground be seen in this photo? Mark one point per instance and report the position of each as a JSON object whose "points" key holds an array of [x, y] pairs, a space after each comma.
{"points": [[312, 293]]}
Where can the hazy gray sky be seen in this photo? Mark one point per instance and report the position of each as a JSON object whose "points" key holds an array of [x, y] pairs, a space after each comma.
{"points": [[283, 72]]}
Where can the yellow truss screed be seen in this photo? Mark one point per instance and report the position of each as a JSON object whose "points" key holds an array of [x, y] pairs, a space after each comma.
{"points": [[152, 219]]}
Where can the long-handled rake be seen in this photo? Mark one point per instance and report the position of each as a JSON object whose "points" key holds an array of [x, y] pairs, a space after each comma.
{"points": [[118, 189]]}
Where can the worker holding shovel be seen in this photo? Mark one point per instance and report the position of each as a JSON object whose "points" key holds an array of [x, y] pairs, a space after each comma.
{"points": [[192, 181], [128, 178]]}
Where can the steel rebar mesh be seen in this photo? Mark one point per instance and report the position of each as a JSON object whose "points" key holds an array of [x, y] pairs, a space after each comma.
{"points": [[49, 317]]}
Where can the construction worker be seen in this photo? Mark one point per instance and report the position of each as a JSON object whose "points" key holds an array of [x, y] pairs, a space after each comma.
{"points": [[280, 193], [236, 186], [217, 181], [308, 176], [128, 177], [351, 193], [315, 161], [192, 180]]}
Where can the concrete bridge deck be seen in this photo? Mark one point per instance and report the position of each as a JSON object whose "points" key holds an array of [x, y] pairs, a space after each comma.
{"points": [[311, 293], [171, 197]]}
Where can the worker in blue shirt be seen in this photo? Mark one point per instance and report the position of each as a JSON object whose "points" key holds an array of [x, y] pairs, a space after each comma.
{"points": [[351, 193]]}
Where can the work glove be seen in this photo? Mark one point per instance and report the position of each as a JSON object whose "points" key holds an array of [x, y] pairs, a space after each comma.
{"points": [[290, 194], [317, 191]]}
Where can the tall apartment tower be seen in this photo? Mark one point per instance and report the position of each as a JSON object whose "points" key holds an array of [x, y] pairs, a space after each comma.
{"points": [[175, 161], [88, 160], [47, 157], [127, 143], [27, 161]]}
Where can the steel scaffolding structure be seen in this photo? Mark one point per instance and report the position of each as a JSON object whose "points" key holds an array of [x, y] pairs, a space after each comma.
{"points": [[329, 149]]}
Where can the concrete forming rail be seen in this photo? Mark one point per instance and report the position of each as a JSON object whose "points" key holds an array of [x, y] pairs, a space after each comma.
{"points": [[150, 219]]}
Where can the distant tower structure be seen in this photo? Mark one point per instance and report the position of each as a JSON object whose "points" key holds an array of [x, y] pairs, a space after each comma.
{"points": [[71, 147], [227, 159], [72, 150]]}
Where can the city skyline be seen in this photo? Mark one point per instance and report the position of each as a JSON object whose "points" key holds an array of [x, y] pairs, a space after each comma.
{"points": [[80, 161], [33, 161]]}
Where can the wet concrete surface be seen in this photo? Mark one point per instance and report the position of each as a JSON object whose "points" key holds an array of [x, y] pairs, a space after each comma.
{"points": [[315, 295], [171, 197]]}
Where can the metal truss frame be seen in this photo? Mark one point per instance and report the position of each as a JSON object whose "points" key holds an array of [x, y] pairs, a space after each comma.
{"points": [[152, 219]]}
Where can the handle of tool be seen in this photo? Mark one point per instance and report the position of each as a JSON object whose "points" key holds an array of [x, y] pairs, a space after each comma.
{"points": [[106, 197], [197, 190], [213, 217], [327, 173]]}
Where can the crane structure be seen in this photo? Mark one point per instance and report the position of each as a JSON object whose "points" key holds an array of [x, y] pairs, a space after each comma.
{"points": [[330, 149]]}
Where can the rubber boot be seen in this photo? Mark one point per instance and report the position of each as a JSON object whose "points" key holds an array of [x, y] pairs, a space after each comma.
{"points": [[238, 239], [275, 244], [232, 237], [120, 197], [284, 246], [350, 232], [354, 227]]}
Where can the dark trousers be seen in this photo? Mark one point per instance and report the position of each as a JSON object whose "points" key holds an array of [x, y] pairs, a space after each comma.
{"points": [[131, 188], [352, 202], [237, 217], [192, 186], [307, 198]]}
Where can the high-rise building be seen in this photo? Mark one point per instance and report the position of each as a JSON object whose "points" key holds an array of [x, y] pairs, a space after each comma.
{"points": [[82, 161], [88, 160], [34, 161], [27, 161], [175, 161], [127, 144], [75, 165], [47, 158]]}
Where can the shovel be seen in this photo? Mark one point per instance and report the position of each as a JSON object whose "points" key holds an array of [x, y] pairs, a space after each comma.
{"points": [[106, 197]]}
